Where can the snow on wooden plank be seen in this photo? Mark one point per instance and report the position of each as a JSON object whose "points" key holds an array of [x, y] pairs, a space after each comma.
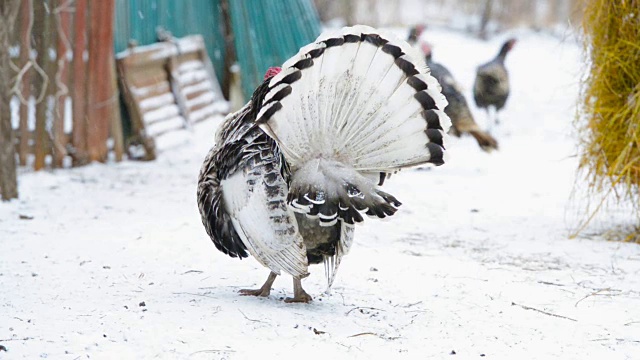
{"points": [[161, 128], [154, 89], [156, 102], [205, 98], [208, 111], [205, 85], [160, 114], [193, 77], [190, 65]]}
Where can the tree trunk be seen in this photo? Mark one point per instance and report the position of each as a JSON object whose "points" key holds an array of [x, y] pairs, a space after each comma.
{"points": [[26, 15], [62, 26], [79, 85], [486, 17], [8, 178], [44, 36]]}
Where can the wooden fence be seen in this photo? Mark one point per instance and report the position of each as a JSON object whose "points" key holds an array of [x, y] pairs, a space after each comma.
{"points": [[66, 81]]}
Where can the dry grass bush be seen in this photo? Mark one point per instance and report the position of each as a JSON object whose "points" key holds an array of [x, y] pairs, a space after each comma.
{"points": [[610, 113]]}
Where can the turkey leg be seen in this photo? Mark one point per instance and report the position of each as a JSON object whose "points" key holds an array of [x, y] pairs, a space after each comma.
{"points": [[264, 290], [299, 295]]}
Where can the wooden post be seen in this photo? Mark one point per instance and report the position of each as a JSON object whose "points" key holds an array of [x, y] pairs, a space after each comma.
{"points": [[229, 47], [79, 85], [26, 15], [112, 95], [102, 92], [8, 178], [44, 34], [63, 25]]}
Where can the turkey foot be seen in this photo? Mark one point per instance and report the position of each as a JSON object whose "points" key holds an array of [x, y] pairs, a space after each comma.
{"points": [[299, 295], [264, 291]]}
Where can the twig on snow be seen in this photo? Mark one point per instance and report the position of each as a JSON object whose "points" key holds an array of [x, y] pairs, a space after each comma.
{"points": [[597, 292], [17, 339], [362, 307], [211, 351], [194, 294], [254, 320], [364, 333], [632, 322], [549, 283], [192, 271], [543, 312]]}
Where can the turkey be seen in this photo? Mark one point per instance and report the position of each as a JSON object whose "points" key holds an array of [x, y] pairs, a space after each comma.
{"points": [[461, 119], [414, 34], [296, 168], [491, 87]]}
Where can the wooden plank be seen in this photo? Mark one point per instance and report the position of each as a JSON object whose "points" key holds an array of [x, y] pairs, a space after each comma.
{"points": [[94, 115], [142, 93], [148, 76], [102, 99], [8, 177], [30, 138], [135, 114], [80, 155], [63, 25], [42, 33], [26, 14]]}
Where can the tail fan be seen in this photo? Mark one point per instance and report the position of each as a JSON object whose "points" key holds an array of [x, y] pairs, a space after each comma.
{"points": [[345, 111]]}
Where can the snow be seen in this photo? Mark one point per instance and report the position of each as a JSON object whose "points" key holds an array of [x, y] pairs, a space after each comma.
{"points": [[478, 260], [205, 85], [193, 76]]}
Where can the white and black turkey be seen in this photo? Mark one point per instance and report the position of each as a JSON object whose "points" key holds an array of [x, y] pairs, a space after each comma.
{"points": [[296, 168]]}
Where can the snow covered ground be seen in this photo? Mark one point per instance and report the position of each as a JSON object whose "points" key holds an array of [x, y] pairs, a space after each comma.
{"points": [[112, 262]]}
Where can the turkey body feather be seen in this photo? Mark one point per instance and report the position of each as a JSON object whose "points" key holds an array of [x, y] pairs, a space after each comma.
{"points": [[296, 168], [458, 110]]}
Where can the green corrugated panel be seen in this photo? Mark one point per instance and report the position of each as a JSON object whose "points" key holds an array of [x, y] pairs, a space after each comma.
{"points": [[269, 32], [139, 19], [266, 32]]}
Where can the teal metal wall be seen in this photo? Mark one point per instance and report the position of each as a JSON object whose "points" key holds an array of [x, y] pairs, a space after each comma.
{"points": [[267, 32], [138, 20]]}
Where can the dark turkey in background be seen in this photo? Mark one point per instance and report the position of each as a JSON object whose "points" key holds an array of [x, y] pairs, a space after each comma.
{"points": [[491, 87], [458, 109]]}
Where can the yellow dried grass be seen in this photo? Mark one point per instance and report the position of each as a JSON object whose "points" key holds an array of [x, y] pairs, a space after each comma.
{"points": [[610, 112]]}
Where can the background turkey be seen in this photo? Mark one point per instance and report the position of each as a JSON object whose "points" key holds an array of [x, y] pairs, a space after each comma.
{"points": [[461, 118], [491, 87], [414, 34], [295, 169]]}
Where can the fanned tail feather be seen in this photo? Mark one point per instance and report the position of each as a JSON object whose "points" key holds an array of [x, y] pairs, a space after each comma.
{"points": [[354, 104]]}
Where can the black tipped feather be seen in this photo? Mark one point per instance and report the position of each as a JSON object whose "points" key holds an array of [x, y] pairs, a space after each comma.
{"points": [[375, 39], [437, 154], [291, 78], [334, 42], [432, 118], [416, 83], [304, 63], [406, 66], [425, 100], [350, 38], [269, 113], [392, 50], [435, 136]]}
